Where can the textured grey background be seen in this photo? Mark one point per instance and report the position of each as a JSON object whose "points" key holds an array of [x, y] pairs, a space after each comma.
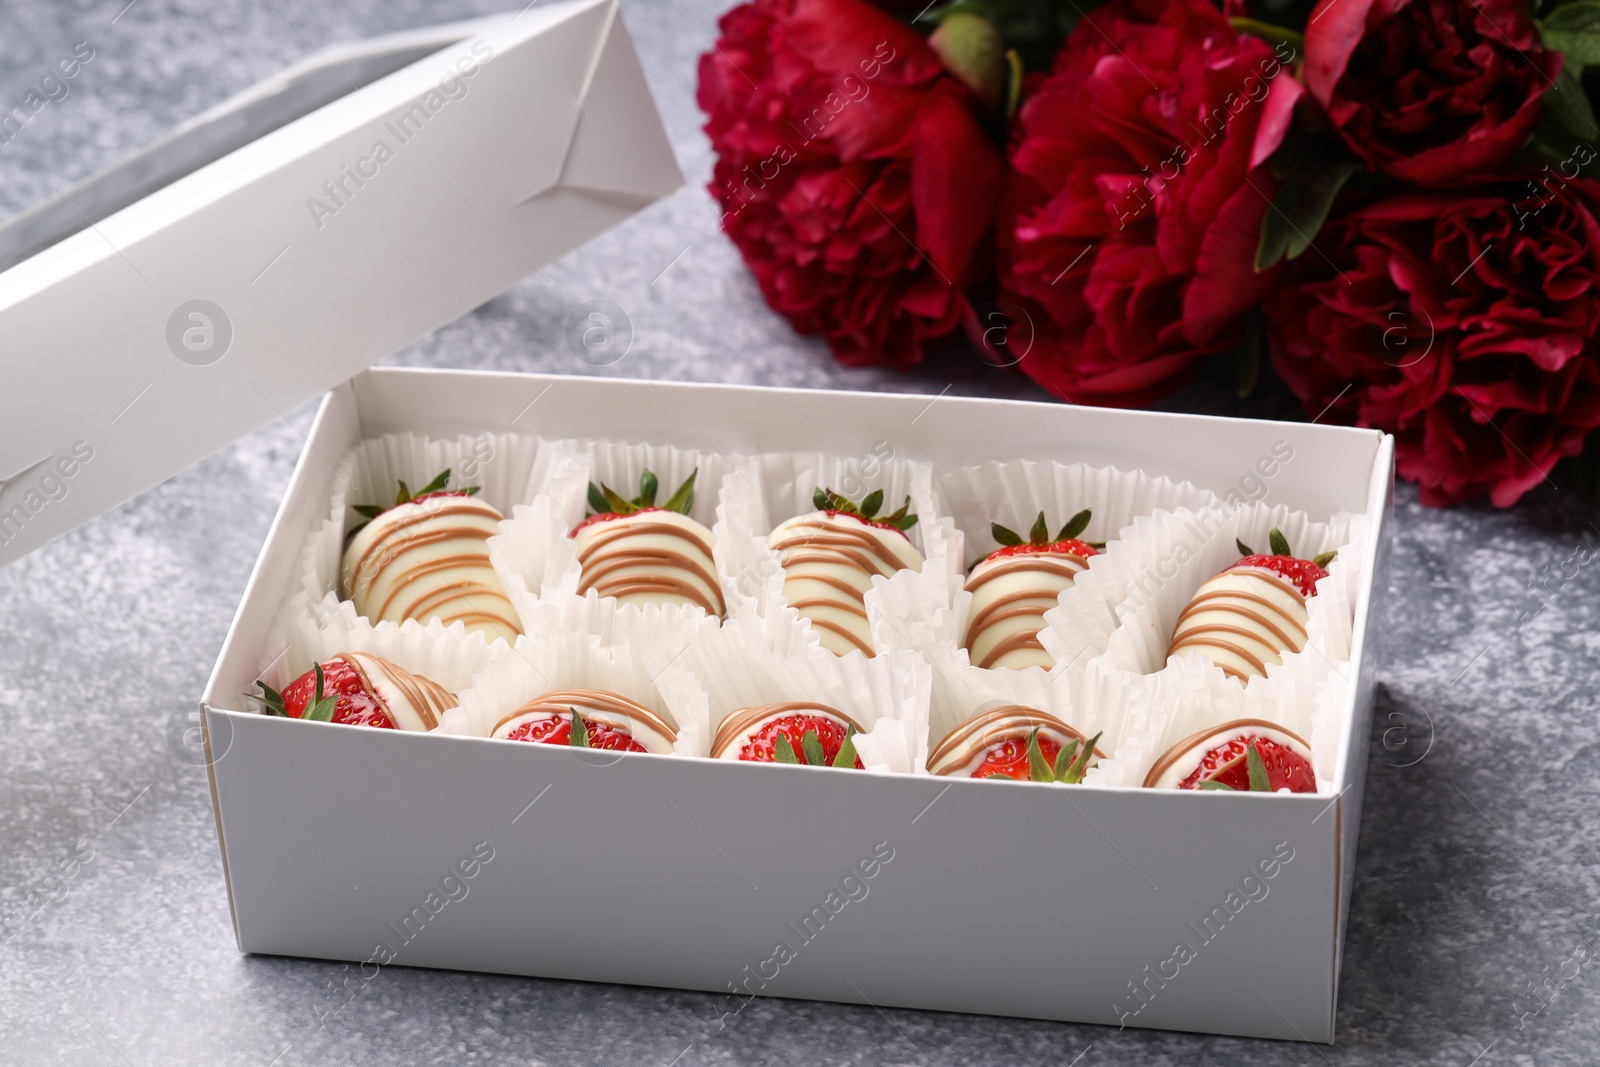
{"points": [[1477, 876]]}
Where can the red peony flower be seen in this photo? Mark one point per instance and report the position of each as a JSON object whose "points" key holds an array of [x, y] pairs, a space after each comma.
{"points": [[1130, 231], [1434, 92], [852, 173], [1467, 324]]}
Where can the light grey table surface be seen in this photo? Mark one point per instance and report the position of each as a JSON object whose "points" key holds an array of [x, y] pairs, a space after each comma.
{"points": [[1477, 874]]}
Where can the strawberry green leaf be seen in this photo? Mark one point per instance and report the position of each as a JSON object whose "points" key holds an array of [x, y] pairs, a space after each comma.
{"points": [[819, 499], [578, 735], [905, 523], [811, 745], [615, 503], [322, 710], [1278, 543], [783, 751], [1075, 525], [1039, 533], [1209, 784], [597, 500], [1064, 760], [872, 503], [368, 511], [471, 490], [1038, 769], [900, 514], [1244, 549], [402, 496], [1002, 535], [1259, 783], [683, 499], [271, 700], [440, 482], [1081, 764], [837, 502], [1322, 559], [648, 486], [846, 756]]}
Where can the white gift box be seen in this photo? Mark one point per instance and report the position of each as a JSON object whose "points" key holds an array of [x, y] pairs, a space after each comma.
{"points": [[1193, 911]]}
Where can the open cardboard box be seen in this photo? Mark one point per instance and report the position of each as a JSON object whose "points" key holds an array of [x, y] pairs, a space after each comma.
{"points": [[1055, 903], [390, 848]]}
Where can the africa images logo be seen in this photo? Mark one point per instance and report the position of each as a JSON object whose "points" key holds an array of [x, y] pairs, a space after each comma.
{"points": [[47, 481]]}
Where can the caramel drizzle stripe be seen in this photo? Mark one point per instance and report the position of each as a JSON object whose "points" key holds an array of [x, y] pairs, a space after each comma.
{"points": [[1208, 601], [1070, 566], [448, 589], [1014, 643], [426, 703], [595, 571], [1202, 640], [1012, 722], [611, 531], [563, 701], [1286, 643], [1010, 606], [827, 602], [1170, 756], [834, 557], [829, 536], [844, 632], [621, 587], [397, 526], [467, 591], [740, 721], [836, 582]]}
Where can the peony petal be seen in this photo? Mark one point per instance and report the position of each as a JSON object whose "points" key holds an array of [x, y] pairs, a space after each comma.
{"points": [[956, 177]]}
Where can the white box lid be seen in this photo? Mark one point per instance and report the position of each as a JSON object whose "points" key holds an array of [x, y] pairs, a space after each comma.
{"points": [[155, 336]]}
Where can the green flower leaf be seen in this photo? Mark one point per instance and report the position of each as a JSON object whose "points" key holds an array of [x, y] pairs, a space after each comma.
{"points": [[1038, 769], [1574, 30], [597, 500], [783, 751], [872, 503], [578, 735], [1244, 549], [648, 485], [1075, 525], [1259, 783], [1279, 543], [1209, 784], [846, 756], [1002, 535], [811, 745], [683, 498], [1312, 168], [1039, 533]]}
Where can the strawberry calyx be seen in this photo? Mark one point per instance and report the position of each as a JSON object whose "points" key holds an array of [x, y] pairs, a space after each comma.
{"points": [[1304, 574], [605, 503], [1041, 759], [1253, 765], [822, 742], [558, 730], [438, 487], [327, 693], [1066, 541], [834, 504]]}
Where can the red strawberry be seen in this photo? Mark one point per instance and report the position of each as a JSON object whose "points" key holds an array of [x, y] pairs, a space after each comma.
{"points": [[1253, 764], [333, 692], [1304, 573], [1039, 539], [607, 504], [1038, 759], [833, 504], [814, 739], [557, 730], [435, 488]]}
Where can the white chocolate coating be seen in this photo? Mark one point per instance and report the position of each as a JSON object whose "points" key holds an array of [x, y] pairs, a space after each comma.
{"points": [[964, 748], [828, 565], [616, 711], [1242, 620], [1009, 598], [650, 557], [412, 701], [1180, 761], [744, 723], [429, 559]]}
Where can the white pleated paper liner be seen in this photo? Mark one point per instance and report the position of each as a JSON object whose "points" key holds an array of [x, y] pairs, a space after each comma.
{"points": [[1191, 695], [446, 655], [554, 662], [1091, 701], [1165, 558], [887, 694], [509, 469], [534, 553], [773, 487]]}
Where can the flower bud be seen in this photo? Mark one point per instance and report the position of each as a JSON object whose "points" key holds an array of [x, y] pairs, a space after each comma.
{"points": [[971, 49]]}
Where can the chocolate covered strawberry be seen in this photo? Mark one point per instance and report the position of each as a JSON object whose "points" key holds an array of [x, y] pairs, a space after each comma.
{"points": [[426, 557], [1246, 755], [830, 556], [813, 734], [1018, 742], [588, 718], [1253, 612], [360, 689], [1013, 586], [642, 553]]}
